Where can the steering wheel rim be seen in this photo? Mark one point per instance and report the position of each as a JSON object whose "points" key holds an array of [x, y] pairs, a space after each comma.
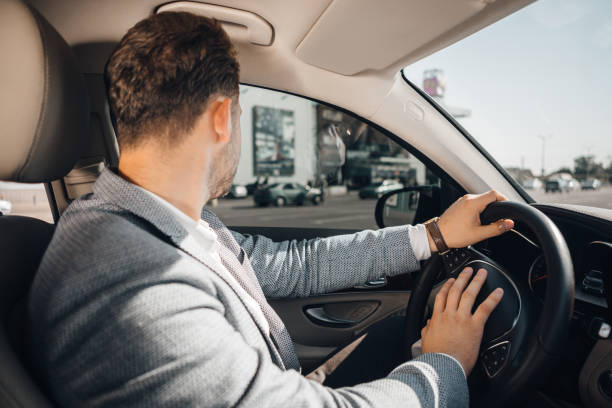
{"points": [[535, 352]]}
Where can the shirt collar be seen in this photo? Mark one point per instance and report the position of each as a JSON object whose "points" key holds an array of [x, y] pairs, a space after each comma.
{"points": [[184, 219]]}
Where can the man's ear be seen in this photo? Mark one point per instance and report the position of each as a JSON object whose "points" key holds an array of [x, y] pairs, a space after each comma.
{"points": [[221, 119]]}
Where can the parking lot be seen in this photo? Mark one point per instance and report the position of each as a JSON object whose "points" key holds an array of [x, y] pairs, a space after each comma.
{"points": [[350, 212], [601, 198], [344, 212]]}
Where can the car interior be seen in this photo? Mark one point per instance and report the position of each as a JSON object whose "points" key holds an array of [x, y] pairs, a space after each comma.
{"points": [[548, 346]]}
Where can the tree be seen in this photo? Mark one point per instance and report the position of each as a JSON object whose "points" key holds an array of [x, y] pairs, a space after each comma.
{"points": [[586, 167], [559, 171]]}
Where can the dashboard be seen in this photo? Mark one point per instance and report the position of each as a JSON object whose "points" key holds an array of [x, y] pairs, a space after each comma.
{"points": [[589, 239], [591, 253]]}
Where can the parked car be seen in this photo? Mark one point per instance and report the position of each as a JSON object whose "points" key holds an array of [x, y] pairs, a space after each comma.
{"points": [[237, 191], [557, 186], [590, 184], [257, 184], [376, 190], [562, 182], [573, 185], [532, 184], [281, 194], [6, 207]]}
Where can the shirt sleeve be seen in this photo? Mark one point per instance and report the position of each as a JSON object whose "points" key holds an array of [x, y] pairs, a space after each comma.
{"points": [[419, 241], [301, 268]]}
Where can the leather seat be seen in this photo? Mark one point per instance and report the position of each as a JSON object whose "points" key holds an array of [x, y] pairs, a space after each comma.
{"points": [[44, 121]]}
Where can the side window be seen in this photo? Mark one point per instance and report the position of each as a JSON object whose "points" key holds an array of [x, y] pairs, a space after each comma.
{"points": [[306, 164], [25, 199]]}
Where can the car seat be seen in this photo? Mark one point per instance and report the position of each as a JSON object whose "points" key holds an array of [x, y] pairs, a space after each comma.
{"points": [[44, 115]]}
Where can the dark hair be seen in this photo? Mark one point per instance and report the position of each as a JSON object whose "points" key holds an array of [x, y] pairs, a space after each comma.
{"points": [[162, 74]]}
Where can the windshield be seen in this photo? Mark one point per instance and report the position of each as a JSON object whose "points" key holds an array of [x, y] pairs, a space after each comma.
{"points": [[535, 90]]}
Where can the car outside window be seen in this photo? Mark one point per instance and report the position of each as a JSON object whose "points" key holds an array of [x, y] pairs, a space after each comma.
{"points": [[534, 90], [306, 164], [25, 199]]}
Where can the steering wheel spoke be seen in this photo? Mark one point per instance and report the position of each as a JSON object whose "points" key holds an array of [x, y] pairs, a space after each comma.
{"points": [[494, 357], [455, 259]]}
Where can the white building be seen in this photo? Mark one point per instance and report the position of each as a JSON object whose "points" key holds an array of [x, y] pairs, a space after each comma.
{"points": [[280, 142], [304, 129]]}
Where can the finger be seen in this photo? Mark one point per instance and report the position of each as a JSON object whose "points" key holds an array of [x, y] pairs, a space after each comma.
{"points": [[469, 295], [499, 196], [454, 293], [425, 329], [488, 198], [494, 229], [440, 302], [485, 309]]}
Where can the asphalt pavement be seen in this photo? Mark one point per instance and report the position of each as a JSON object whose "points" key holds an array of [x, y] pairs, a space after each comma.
{"points": [[601, 198], [343, 212], [350, 212]]}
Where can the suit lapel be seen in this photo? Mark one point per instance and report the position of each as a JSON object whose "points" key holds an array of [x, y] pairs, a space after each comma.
{"points": [[191, 247], [112, 188], [231, 255]]}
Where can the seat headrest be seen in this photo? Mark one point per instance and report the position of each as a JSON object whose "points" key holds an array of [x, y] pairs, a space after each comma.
{"points": [[44, 107]]}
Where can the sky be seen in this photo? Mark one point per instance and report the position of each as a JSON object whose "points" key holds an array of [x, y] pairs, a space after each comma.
{"points": [[544, 71]]}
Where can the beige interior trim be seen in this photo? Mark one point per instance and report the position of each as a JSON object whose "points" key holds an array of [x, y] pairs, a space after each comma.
{"points": [[355, 35], [405, 113], [259, 31], [22, 78]]}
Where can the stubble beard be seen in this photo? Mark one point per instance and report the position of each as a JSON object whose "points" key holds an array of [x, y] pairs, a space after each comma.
{"points": [[222, 178]]}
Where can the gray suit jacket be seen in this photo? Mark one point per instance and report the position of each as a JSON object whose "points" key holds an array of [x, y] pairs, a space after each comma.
{"points": [[126, 310]]}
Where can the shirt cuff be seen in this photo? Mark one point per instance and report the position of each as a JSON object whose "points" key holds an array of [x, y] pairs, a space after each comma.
{"points": [[445, 378], [419, 241], [456, 361]]}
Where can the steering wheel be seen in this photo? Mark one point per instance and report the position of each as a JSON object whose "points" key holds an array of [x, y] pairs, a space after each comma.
{"points": [[517, 346]]}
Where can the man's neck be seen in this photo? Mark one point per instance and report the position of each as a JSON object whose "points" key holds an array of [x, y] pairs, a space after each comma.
{"points": [[176, 178]]}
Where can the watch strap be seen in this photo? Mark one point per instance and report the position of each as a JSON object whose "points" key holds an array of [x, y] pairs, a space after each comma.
{"points": [[434, 231]]}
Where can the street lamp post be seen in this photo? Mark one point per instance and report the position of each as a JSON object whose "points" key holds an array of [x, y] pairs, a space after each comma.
{"points": [[588, 161], [543, 138]]}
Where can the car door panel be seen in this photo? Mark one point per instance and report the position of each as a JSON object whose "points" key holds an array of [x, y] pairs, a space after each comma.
{"points": [[322, 325], [338, 319]]}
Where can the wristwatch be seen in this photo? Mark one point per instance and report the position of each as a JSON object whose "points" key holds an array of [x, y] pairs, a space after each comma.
{"points": [[436, 235]]}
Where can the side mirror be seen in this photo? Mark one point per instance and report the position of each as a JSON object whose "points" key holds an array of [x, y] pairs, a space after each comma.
{"points": [[410, 205]]}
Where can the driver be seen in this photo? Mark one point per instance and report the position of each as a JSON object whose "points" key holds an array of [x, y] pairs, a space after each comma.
{"points": [[145, 299]]}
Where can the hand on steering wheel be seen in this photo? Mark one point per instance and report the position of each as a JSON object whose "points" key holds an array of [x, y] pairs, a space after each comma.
{"points": [[460, 224], [453, 329]]}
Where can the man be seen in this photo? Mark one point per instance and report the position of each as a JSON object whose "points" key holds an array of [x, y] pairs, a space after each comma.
{"points": [[139, 302]]}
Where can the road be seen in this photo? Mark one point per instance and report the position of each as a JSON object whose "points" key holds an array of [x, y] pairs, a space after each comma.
{"points": [[344, 212], [349, 212], [600, 198]]}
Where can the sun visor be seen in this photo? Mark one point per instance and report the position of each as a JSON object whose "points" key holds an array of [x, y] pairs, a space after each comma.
{"points": [[355, 35]]}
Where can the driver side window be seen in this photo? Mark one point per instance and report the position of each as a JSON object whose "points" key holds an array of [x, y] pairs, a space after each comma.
{"points": [[308, 165]]}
